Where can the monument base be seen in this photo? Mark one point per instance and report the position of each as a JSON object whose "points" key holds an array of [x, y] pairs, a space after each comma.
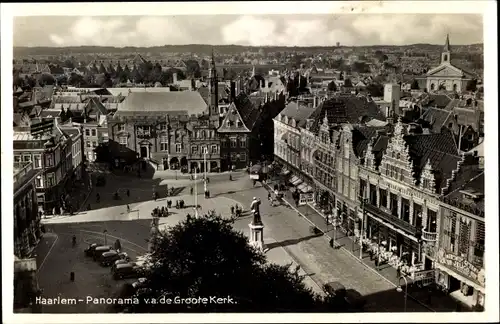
{"points": [[257, 236]]}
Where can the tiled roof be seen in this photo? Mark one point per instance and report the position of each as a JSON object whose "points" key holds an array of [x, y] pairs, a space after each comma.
{"points": [[94, 105], [440, 149], [299, 112], [438, 100], [361, 137], [346, 109], [436, 118], [177, 102], [222, 93]]}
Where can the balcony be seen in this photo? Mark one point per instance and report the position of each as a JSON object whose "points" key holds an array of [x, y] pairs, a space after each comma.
{"points": [[393, 220], [429, 236]]}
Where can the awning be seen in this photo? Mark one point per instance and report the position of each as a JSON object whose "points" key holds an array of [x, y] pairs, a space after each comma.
{"points": [[285, 172], [296, 182], [459, 277], [306, 189], [293, 179], [302, 186]]}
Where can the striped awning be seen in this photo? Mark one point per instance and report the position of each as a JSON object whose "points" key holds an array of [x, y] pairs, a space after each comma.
{"points": [[306, 189], [302, 186], [296, 182]]}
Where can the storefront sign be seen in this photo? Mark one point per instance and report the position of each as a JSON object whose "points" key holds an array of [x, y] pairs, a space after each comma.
{"points": [[461, 265], [423, 275]]}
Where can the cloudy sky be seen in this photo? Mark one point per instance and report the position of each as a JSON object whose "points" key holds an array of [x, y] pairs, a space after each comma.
{"points": [[257, 30]]}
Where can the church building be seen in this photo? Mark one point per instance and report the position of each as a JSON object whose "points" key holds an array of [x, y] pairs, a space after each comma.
{"points": [[447, 76]]}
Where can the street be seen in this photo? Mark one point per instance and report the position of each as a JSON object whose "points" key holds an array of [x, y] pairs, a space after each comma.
{"points": [[286, 234]]}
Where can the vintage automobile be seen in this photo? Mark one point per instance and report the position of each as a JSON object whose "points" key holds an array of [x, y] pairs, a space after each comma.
{"points": [[108, 258], [127, 270]]}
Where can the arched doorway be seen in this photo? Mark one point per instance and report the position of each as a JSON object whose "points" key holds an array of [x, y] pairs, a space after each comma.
{"points": [[184, 162], [214, 167], [432, 86], [194, 166], [174, 163], [165, 163], [455, 87]]}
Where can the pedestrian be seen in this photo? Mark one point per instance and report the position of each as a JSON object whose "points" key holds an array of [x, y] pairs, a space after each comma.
{"points": [[128, 193], [230, 178], [269, 197], [128, 208], [398, 272], [192, 190], [232, 210]]}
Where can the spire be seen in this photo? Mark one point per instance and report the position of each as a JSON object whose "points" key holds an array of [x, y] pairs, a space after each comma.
{"points": [[213, 58], [447, 43], [253, 70]]}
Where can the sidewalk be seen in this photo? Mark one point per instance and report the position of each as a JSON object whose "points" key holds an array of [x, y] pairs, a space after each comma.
{"points": [[439, 302]]}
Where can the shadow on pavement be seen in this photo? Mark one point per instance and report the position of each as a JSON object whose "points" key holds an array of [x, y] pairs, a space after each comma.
{"points": [[290, 242]]}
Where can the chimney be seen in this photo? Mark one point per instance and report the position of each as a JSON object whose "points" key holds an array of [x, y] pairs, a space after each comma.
{"points": [[232, 91], [174, 77]]}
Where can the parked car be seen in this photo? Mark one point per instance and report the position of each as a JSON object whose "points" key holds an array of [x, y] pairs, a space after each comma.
{"points": [[108, 258], [89, 251], [335, 288], [127, 270], [120, 261], [354, 300], [99, 250]]}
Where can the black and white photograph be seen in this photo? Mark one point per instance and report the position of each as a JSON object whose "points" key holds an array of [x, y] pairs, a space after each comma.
{"points": [[217, 158]]}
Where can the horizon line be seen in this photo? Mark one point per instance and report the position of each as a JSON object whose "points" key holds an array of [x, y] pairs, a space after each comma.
{"points": [[239, 45]]}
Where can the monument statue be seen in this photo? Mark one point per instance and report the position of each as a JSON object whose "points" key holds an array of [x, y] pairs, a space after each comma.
{"points": [[255, 207]]}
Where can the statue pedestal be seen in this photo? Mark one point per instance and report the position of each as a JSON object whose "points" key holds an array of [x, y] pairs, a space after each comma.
{"points": [[257, 236]]}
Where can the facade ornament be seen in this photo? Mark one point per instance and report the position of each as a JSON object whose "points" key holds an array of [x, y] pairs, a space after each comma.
{"points": [[427, 174]]}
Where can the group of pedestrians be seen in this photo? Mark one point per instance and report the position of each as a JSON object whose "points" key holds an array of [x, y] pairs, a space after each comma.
{"points": [[179, 204], [160, 212], [236, 210]]}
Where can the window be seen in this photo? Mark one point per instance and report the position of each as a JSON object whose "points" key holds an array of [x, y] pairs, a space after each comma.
{"points": [[452, 227], [239, 123], [233, 142], [224, 142], [94, 132], [123, 141], [431, 221], [121, 127], [17, 158], [194, 149], [38, 182], [394, 204], [243, 142], [202, 134], [464, 237], [164, 143], [50, 180], [88, 143], [94, 144], [383, 198], [479, 244], [214, 149], [233, 156], [163, 126], [178, 148], [243, 156], [204, 149], [405, 210], [346, 151], [27, 158], [37, 162], [87, 132], [50, 160]]}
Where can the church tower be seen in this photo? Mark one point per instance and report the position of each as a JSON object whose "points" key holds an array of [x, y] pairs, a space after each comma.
{"points": [[213, 88], [446, 54]]}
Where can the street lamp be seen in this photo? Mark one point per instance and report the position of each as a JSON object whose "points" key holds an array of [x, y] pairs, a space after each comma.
{"points": [[361, 230], [205, 151], [195, 194], [399, 289]]}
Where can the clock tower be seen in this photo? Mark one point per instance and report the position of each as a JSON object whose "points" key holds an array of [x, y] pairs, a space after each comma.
{"points": [[213, 88]]}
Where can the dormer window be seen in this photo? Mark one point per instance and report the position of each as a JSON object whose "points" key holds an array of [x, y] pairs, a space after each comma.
{"points": [[228, 123], [239, 123], [121, 127]]}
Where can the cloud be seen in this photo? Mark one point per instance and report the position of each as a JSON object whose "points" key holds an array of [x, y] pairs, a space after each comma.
{"points": [[283, 30]]}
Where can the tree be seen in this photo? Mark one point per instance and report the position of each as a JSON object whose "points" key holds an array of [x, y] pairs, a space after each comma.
{"points": [[76, 79], [360, 67], [193, 68], [471, 85], [332, 86], [414, 85], [68, 64], [348, 83], [207, 257], [46, 79]]}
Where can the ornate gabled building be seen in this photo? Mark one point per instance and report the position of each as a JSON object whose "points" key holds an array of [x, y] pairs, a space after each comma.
{"points": [[401, 189], [446, 76], [461, 245]]}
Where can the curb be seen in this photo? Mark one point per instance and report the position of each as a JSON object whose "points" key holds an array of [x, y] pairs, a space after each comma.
{"points": [[347, 251]]}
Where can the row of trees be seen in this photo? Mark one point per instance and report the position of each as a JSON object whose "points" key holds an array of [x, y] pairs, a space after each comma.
{"points": [[205, 257]]}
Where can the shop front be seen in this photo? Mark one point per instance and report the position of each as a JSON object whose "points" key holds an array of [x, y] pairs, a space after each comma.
{"points": [[306, 194], [389, 245], [460, 278]]}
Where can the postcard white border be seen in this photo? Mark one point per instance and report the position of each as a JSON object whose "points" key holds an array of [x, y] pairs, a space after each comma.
{"points": [[487, 8]]}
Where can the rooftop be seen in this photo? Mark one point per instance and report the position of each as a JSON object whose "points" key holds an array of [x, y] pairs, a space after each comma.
{"points": [[177, 102]]}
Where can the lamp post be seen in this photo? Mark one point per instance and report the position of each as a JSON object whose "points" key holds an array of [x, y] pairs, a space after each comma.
{"points": [[205, 170], [399, 289], [195, 194], [105, 237], [362, 230]]}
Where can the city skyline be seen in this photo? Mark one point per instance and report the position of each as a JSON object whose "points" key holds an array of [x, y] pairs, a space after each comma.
{"points": [[248, 30]]}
